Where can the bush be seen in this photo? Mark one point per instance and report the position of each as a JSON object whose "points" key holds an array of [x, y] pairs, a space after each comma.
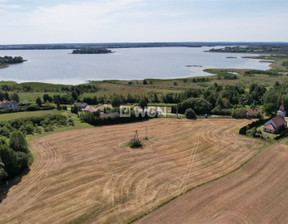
{"points": [[135, 143], [190, 114], [18, 142], [199, 105], [143, 103], [27, 128], [32, 108], [239, 113]]}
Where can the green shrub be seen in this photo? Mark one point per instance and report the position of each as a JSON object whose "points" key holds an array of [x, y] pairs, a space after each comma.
{"points": [[18, 142], [27, 128], [239, 113], [190, 114], [135, 143]]}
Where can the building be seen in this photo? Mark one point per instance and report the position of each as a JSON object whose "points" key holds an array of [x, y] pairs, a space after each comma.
{"points": [[278, 123], [254, 112], [81, 106], [91, 109], [8, 105], [115, 114]]}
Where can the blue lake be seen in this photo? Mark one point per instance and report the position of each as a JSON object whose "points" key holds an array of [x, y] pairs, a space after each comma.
{"points": [[60, 66]]}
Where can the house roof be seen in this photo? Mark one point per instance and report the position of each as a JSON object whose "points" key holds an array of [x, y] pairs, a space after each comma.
{"points": [[269, 126], [254, 111], [4, 101], [116, 114], [91, 109], [278, 120], [79, 104]]}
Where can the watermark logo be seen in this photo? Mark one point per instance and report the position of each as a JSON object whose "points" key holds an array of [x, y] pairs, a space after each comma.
{"points": [[125, 111], [150, 111]]}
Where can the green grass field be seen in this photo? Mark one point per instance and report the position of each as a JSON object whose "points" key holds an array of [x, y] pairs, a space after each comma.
{"points": [[11, 116]]}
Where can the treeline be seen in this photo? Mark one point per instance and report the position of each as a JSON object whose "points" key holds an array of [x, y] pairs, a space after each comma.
{"points": [[95, 119], [264, 48], [92, 51], [270, 73], [10, 60], [15, 156]]}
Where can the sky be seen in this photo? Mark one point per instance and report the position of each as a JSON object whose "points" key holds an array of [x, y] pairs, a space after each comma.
{"points": [[103, 21]]}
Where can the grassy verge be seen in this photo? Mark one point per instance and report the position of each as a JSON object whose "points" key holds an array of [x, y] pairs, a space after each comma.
{"points": [[17, 115]]}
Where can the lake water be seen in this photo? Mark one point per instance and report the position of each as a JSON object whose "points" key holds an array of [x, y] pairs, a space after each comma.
{"points": [[59, 66]]}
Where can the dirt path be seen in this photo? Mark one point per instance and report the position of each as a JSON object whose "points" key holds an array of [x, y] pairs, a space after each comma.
{"points": [[90, 176], [256, 193]]}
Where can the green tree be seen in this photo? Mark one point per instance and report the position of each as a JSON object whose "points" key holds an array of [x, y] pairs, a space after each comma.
{"points": [[269, 109], [39, 101], [143, 103], [116, 101], [15, 96], [239, 113], [3, 174], [18, 142], [2, 95], [190, 114]]}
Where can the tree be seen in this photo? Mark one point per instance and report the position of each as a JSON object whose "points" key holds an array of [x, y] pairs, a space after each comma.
{"points": [[116, 101], [2, 95], [269, 108], [143, 103], [15, 96], [239, 113], [190, 114], [18, 142], [46, 98], [145, 82], [3, 174], [39, 101], [6, 96], [75, 95]]}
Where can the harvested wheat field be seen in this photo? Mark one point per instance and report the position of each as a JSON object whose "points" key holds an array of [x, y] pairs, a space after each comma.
{"points": [[91, 176], [256, 193]]}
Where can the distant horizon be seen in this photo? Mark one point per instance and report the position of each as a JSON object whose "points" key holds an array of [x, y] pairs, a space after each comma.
{"points": [[150, 42]]}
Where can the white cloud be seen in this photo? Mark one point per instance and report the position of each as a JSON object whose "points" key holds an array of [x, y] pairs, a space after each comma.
{"points": [[136, 20]]}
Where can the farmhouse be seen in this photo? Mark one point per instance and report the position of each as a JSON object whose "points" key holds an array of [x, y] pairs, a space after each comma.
{"points": [[8, 105], [278, 123]]}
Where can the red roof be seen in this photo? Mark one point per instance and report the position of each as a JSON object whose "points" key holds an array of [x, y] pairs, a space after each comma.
{"points": [[279, 121], [4, 101], [269, 126], [252, 111]]}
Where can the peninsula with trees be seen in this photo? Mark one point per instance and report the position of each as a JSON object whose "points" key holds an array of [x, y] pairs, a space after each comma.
{"points": [[7, 60]]}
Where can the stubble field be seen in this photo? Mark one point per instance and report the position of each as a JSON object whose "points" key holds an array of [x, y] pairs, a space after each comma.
{"points": [[91, 176]]}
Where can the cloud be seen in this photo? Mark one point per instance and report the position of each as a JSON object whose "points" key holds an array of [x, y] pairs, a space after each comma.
{"points": [[76, 19], [138, 20]]}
